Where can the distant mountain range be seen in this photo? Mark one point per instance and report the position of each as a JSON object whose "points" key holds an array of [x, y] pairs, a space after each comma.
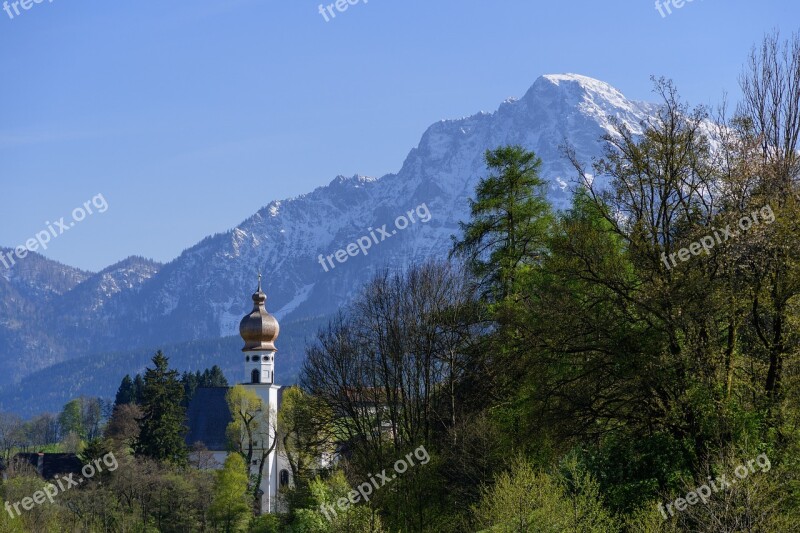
{"points": [[66, 332]]}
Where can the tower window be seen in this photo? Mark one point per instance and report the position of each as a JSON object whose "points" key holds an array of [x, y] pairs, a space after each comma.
{"points": [[266, 358], [284, 478], [255, 376]]}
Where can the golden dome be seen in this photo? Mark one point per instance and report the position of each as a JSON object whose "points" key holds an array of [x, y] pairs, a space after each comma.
{"points": [[259, 329]]}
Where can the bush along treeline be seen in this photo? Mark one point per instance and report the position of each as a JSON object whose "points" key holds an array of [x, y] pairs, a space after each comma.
{"points": [[629, 364]]}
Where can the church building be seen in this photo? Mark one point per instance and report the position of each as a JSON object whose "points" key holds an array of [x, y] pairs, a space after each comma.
{"points": [[208, 414]]}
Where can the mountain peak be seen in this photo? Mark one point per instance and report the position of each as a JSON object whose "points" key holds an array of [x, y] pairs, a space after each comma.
{"points": [[578, 87], [141, 305]]}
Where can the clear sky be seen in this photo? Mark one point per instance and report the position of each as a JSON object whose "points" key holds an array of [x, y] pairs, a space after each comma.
{"points": [[190, 115]]}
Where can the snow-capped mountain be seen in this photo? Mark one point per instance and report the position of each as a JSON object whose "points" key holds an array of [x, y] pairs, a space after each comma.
{"points": [[205, 291]]}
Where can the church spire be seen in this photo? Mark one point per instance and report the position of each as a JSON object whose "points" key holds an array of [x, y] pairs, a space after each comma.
{"points": [[259, 329]]}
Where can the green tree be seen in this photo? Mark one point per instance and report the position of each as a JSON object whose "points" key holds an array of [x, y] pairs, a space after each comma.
{"points": [[162, 424], [190, 383], [526, 500], [229, 507], [214, 378], [305, 425], [509, 221], [126, 393], [252, 432], [324, 515], [138, 389], [71, 419]]}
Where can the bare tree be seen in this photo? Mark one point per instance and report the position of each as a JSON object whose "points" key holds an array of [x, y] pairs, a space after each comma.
{"points": [[389, 368], [771, 110], [10, 432]]}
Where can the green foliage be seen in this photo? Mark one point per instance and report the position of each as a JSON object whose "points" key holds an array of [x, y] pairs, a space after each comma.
{"points": [[208, 378], [267, 523], [524, 499], [509, 221], [95, 449], [323, 515], [126, 393], [162, 424], [71, 419], [619, 381], [630, 471], [230, 509], [305, 429], [9, 524]]}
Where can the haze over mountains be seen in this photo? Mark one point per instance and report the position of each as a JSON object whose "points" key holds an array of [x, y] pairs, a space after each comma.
{"points": [[84, 331]]}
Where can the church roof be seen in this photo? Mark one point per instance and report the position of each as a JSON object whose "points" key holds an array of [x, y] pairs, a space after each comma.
{"points": [[208, 417]]}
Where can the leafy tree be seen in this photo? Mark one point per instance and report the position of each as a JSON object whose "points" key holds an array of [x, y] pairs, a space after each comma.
{"points": [[266, 523], [769, 114], [10, 426], [525, 499], [229, 507], [91, 417], [162, 426], [305, 426], [323, 515], [252, 432], [71, 419]]}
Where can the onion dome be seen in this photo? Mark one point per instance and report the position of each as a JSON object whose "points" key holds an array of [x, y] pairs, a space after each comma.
{"points": [[259, 329]]}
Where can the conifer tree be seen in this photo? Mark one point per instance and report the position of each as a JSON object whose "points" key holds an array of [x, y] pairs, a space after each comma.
{"points": [[509, 221], [162, 424], [138, 388], [126, 393]]}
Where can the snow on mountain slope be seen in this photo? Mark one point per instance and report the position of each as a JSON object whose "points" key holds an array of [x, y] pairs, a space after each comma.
{"points": [[285, 239], [203, 293]]}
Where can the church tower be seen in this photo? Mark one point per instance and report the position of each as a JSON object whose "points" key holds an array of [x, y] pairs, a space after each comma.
{"points": [[259, 330]]}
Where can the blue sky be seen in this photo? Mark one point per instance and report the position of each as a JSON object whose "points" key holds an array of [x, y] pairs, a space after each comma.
{"points": [[190, 115]]}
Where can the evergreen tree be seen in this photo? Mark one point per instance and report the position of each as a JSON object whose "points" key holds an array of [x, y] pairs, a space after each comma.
{"points": [[190, 383], [126, 393], [215, 378], [95, 449], [138, 389], [208, 378], [509, 222], [162, 424]]}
